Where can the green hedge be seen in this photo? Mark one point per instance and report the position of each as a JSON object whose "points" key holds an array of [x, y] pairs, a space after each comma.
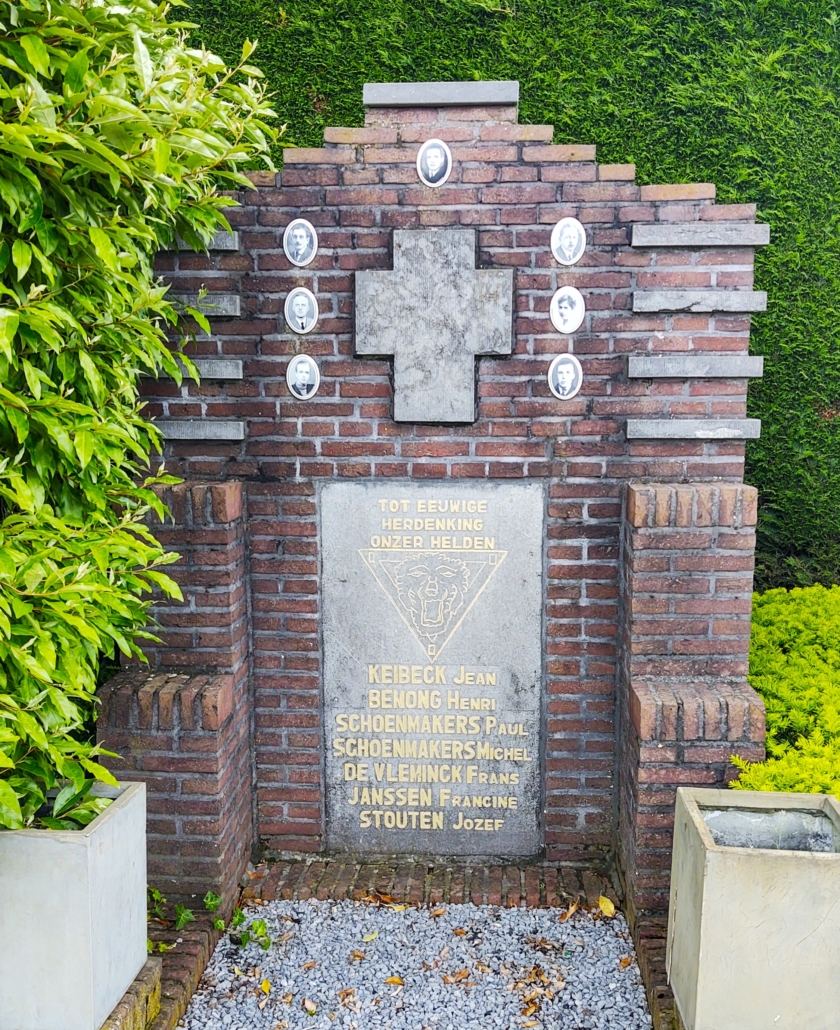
{"points": [[742, 93], [795, 666]]}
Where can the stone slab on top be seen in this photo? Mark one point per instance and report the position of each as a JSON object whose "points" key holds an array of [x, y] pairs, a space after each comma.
{"points": [[440, 94]]}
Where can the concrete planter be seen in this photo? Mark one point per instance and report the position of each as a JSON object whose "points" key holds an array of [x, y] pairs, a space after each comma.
{"points": [[754, 922], [73, 917]]}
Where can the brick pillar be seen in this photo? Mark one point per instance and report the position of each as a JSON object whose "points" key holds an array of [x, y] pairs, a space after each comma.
{"points": [[684, 704], [183, 724]]}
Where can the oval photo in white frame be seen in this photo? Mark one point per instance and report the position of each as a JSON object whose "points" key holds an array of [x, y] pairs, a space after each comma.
{"points": [[303, 377], [567, 310], [568, 241], [434, 163], [565, 377], [300, 242], [301, 311]]}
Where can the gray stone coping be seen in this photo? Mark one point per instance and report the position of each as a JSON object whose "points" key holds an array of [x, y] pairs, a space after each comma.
{"points": [[221, 240], [201, 429], [693, 429], [213, 305], [439, 94], [699, 300], [700, 234], [695, 366], [219, 368]]}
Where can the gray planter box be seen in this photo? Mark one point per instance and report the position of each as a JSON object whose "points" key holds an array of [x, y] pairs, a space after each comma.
{"points": [[754, 921], [73, 917]]}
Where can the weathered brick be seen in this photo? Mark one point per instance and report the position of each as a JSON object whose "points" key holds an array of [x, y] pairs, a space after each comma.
{"points": [[688, 191]]}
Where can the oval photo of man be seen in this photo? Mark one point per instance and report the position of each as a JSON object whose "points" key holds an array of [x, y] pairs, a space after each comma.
{"points": [[568, 241], [300, 242], [303, 377], [565, 377], [301, 310], [567, 309], [434, 163]]}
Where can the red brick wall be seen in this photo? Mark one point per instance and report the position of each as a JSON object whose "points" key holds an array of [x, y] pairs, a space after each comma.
{"points": [[186, 733], [512, 185], [684, 704]]}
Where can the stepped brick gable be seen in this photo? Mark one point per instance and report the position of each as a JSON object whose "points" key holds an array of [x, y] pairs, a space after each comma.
{"points": [[646, 532]]}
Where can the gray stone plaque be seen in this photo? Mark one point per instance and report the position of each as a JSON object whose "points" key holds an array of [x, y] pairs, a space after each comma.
{"points": [[435, 312], [432, 623]]}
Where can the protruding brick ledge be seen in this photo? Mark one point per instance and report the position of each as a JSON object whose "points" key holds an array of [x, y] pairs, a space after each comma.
{"points": [[187, 739], [693, 504]]}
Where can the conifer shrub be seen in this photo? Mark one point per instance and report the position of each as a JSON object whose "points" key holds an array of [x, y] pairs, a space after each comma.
{"points": [[795, 667]]}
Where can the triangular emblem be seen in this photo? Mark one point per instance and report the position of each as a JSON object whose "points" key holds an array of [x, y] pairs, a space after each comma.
{"points": [[433, 590]]}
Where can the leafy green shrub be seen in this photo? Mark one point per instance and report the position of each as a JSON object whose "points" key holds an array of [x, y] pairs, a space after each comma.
{"points": [[795, 667], [734, 92], [114, 135]]}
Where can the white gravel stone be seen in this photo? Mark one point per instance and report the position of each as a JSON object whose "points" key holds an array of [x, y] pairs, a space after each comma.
{"points": [[575, 967]]}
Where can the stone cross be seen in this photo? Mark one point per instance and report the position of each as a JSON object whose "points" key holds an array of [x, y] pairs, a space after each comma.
{"points": [[435, 313]]}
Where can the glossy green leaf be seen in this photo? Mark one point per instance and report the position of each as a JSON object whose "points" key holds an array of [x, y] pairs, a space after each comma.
{"points": [[93, 183]]}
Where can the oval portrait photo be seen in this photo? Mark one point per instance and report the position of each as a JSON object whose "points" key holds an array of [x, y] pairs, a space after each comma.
{"points": [[434, 163], [301, 310], [567, 309], [300, 242], [565, 377], [303, 377], [568, 241]]}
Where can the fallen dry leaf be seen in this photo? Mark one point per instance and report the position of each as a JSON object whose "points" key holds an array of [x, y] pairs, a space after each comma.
{"points": [[459, 932], [287, 998], [570, 911], [625, 962], [399, 908], [265, 987], [368, 937], [262, 1003], [482, 968], [541, 944], [356, 956], [397, 981], [531, 1022], [455, 978], [438, 912], [606, 906], [309, 965], [346, 992], [286, 937], [309, 1006], [280, 1026], [531, 1008]]}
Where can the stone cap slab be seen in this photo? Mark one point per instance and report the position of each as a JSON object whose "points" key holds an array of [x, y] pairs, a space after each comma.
{"points": [[699, 300], [213, 305], [700, 234], [219, 368], [693, 428], [199, 429], [695, 366], [439, 94]]}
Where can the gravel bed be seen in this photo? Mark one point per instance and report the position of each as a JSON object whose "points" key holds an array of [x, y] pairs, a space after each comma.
{"points": [[456, 967]]}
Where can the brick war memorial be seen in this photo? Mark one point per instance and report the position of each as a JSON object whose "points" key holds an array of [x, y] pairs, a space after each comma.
{"points": [[448, 593]]}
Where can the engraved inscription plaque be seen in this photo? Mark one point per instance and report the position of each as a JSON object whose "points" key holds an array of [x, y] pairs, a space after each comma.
{"points": [[432, 625]]}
